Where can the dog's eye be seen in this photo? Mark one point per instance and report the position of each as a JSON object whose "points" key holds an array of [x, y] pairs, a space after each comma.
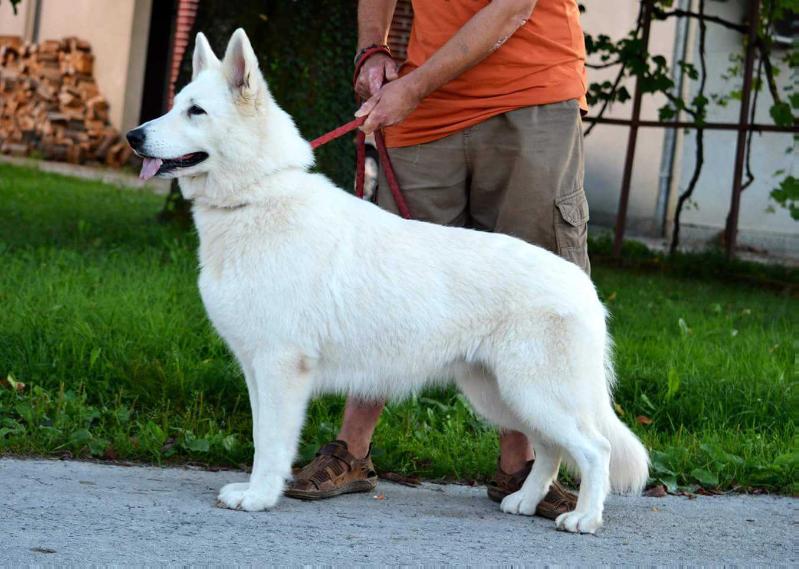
{"points": [[195, 110]]}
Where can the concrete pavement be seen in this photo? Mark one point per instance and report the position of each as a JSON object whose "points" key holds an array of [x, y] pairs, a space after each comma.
{"points": [[80, 513]]}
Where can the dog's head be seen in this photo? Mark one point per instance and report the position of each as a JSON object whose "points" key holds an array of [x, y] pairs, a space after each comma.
{"points": [[222, 125]]}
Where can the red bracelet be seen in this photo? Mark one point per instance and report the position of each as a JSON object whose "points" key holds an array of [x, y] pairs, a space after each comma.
{"points": [[364, 49], [365, 54]]}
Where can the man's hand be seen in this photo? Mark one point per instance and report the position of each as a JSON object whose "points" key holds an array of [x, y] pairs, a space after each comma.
{"points": [[389, 105], [479, 37], [375, 71]]}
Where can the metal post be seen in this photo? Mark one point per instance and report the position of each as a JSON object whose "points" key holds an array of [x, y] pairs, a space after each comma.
{"points": [[621, 215], [672, 138], [757, 127], [743, 121]]}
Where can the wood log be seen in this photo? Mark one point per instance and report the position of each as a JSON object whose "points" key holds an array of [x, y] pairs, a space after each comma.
{"points": [[15, 149], [49, 47], [11, 41], [105, 145], [118, 155], [57, 152], [82, 62], [50, 102]]}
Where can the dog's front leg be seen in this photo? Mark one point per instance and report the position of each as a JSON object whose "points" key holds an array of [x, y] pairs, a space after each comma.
{"points": [[282, 385]]}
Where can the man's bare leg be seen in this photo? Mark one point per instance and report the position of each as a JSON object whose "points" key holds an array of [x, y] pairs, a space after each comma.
{"points": [[360, 419], [514, 451], [337, 470], [358, 425]]}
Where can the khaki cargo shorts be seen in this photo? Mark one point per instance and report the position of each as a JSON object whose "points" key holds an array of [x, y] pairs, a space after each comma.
{"points": [[519, 173]]}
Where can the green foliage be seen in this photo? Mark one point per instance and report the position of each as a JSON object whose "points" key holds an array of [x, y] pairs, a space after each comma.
{"points": [[655, 76], [103, 324], [787, 195], [305, 51], [782, 114]]}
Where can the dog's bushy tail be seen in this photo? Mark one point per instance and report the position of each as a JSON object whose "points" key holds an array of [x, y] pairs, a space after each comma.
{"points": [[629, 460]]}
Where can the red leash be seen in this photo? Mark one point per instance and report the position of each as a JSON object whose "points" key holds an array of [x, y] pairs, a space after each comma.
{"points": [[360, 161], [337, 133], [360, 148]]}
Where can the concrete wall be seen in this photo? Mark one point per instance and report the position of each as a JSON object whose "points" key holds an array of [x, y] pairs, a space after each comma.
{"points": [[606, 145], [118, 32], [760, 223], [15, 25]]}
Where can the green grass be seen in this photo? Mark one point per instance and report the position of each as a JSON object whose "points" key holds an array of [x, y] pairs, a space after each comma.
{"points": [[101, 320]]}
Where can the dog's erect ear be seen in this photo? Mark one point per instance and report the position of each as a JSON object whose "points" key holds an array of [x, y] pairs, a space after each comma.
{"points": [[203, 55], [240, 65]]}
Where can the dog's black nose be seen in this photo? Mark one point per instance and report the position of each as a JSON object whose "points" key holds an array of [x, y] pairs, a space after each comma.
{"points": [[136, 138]]}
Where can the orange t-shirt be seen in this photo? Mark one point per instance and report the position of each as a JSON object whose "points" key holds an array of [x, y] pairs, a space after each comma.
{"points": [[542, 62]]}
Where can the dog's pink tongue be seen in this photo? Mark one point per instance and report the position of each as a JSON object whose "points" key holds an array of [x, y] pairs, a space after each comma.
{"points": [[149, 168]]}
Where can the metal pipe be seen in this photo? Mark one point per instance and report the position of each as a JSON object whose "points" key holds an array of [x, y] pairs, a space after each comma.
{"points": [[624, 198], [693, 125], [37, 21], [670, 138]]}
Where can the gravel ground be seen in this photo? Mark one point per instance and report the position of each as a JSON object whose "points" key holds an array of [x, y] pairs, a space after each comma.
{"points": [[79, 513]]}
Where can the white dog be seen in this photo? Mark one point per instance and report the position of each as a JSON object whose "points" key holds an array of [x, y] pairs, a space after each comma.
{"points": [[317, 291]]}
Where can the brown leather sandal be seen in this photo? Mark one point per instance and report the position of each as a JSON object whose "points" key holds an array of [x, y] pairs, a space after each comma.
{"points": [[332, 472], [557, 501]]}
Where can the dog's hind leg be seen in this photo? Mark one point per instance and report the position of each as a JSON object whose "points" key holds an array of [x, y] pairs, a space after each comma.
{"points": [[560, 426], [283, 384], [535, 487], [480, 387], [557, 394]]}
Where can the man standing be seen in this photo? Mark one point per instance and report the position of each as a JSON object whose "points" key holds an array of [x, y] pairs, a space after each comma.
{"points": [[483, 125]]}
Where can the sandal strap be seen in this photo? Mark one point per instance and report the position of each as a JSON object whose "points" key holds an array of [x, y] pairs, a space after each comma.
{"points": [[504, 480], [339, 451], [520, 476], [332, 460], [559, 497]]}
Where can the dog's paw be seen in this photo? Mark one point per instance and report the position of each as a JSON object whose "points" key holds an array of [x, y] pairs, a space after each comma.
{"points": [[241, 496], [579, 522], [519, 503], [229, 490]]}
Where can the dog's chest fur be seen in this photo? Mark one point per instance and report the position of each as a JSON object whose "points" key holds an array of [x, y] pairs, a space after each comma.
{"points": [[246, 259]]}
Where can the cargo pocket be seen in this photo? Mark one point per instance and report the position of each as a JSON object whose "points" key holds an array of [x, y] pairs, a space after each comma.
{"points": [[571, 228]]}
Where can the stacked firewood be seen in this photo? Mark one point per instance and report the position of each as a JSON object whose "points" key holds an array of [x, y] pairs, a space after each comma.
{"points": [[50, 104]]}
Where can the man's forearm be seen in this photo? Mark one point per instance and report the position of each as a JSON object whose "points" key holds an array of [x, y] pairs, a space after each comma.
{"points": [[374, 21], [483, 34]]}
